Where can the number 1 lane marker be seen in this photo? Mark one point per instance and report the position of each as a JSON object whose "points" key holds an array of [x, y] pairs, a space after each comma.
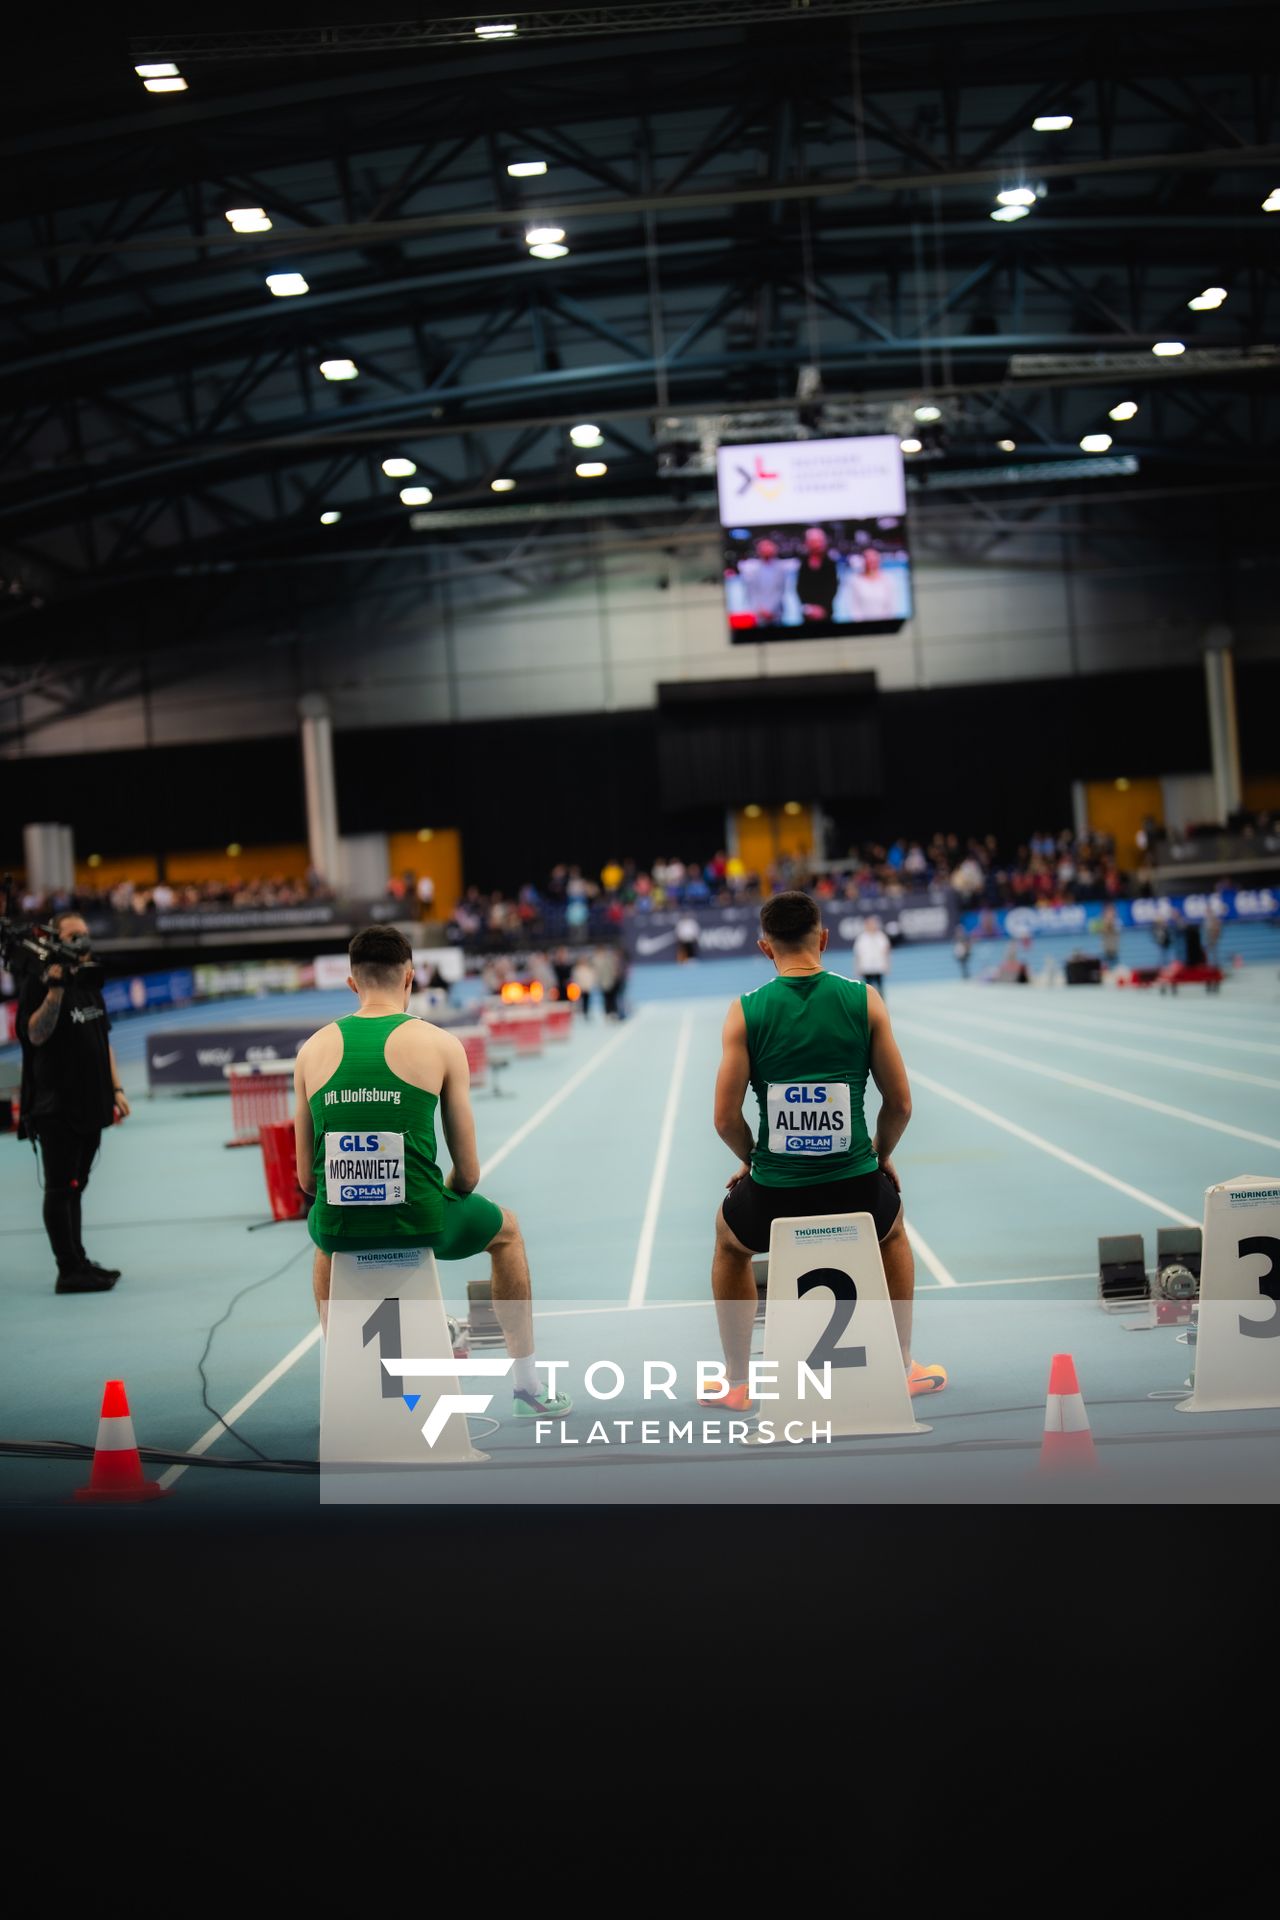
{"points": [[312, 1339]]}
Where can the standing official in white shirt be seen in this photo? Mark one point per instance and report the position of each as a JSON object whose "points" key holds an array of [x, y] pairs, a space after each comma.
{"points": [[871, 953]]}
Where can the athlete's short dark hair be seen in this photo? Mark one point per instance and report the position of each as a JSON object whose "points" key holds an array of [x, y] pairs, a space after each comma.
{"points": [[379, 956], [790, 918]]}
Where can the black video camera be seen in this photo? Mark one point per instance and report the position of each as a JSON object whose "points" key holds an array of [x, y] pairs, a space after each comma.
{"points": [[25, 950]]}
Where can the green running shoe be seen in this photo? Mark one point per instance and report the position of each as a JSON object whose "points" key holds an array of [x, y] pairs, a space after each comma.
{"points": [[542, 1406]]}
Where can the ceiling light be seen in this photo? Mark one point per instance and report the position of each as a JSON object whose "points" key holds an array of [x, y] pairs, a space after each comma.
{"points": [[753, 812], [1168, 349], [911, 446], [586, 435], [339, 369], [1010, 213], [1051, 123], [497, 30], [1095, 443], [415, 496], [397, 469], [1272, 202], [284, 285], [248, 220], [549, 250], [157, 70], [177, 85], [1123, 410], [526, 169], [331, 518], [928, 413], [539, 236], [792, 806], [1007, 446], [590, 469], [502, 486], [1017, 197], [1206, 302]]}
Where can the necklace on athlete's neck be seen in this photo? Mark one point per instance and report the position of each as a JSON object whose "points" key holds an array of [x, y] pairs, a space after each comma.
{"points": [[800, 970]]}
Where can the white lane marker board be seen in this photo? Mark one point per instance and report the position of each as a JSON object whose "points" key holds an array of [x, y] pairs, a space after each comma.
{"points": [[828, 1304], [383, 1307], [1237, 1350]]}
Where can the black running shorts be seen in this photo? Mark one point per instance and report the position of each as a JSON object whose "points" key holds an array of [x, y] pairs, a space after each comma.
{"points": [[750, 1210]]}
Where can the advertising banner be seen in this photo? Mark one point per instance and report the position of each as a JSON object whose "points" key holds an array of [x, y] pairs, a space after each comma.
{"points": [[140, 992], [1023, 923], [723, 932], [196, 1057]]}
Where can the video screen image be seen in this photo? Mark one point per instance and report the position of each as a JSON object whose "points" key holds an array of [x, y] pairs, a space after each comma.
{"points": [[815, 538]]}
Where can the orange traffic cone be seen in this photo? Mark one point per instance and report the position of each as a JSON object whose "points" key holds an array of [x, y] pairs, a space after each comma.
{"points": [[1068, 1439], [117, 1465]]}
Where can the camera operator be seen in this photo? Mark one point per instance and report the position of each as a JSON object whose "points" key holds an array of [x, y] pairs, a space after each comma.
{"points": [[70, 1091]]}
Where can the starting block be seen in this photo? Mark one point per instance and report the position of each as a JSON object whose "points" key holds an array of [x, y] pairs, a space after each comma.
{"points": [[386, 1308], [1237, 1347], [828, 1302]]}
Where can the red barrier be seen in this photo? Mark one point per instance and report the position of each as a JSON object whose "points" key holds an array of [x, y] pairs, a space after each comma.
{"points": [[280, 1163]]}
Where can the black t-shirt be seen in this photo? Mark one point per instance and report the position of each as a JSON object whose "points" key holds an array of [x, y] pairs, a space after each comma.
{"points": [[71, 1073], [817, 586]]}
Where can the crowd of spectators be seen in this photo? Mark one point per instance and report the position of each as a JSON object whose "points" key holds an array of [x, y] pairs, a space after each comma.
{"points": [[128, 897], [1046, 870]]}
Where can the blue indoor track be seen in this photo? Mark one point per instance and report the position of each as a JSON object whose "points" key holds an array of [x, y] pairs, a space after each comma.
{"points": [[1044, 1117]]}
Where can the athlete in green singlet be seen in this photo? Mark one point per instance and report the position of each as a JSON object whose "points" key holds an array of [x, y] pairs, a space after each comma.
{"points": [[805, 1044], [370, 1090]]}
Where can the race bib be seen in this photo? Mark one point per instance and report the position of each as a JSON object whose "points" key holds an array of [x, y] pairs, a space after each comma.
{"points": [[364, 1169], [809, 1117]]}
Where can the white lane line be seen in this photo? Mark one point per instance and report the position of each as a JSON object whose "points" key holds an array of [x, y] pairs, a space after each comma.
{"points": [[1026, 1280], [305, 1345], [1196, 1035], [548, 1107], [693, 1306], [926, 1253], [661, 1160], [242, 1406], [1090, 1086], [1048, 1146], [1078, 1038]]}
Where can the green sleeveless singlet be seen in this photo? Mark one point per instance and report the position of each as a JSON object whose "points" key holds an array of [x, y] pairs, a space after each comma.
{"points": [[377, 1183], [810, 1044]]}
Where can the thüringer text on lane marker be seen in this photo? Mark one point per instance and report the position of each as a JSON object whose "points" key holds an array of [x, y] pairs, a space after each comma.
{"points": [[1047, 1146], [661, 1160], [312, 1339]]}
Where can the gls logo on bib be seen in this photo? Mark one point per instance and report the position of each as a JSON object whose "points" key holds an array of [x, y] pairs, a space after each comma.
{"points": [[809, 1116], [364, 1169]]}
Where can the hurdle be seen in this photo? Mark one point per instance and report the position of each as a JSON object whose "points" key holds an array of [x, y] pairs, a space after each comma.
{"points": [[827, 1312], [390, 1396], [475, 1044], [557, 1021], [261, 1095], [520, 1028]]}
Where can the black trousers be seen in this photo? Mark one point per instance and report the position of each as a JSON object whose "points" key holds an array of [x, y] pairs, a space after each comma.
{"points": [[67, 1155]]}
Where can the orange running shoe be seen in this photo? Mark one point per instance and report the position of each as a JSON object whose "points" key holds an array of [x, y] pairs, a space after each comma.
{"points": [[926, 1379], [737, 1400]]}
